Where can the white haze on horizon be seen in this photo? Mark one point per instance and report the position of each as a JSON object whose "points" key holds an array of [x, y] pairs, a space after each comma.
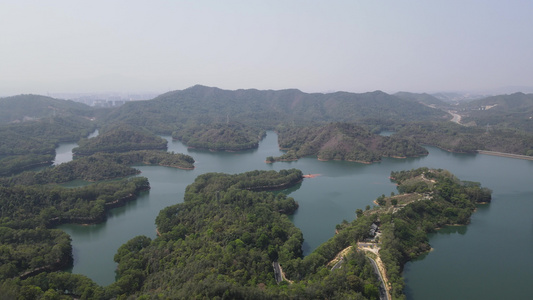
{"points": [[62, 46]]}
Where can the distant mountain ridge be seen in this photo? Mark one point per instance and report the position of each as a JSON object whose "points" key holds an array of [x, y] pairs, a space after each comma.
{"points": [[517, 102], [31, 107], [426, 99], [268, 108]]}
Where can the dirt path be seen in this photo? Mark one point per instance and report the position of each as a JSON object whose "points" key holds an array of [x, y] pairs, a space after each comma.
{"points": [[456, 118], [339, 256]]}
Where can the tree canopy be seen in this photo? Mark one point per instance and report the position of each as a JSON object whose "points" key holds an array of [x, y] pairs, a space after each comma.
{"points": [[232, 136], [343, 141], [120, 138]]}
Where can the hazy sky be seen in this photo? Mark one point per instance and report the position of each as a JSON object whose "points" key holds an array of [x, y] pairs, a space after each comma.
{"points": [[359, 46]]}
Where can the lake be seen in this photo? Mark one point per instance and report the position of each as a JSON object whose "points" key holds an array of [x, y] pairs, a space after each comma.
{"points": [[488, 259]]}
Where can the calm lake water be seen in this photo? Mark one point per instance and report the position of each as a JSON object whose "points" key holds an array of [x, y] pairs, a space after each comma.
{"points": [[64, 150], [489, 259]]}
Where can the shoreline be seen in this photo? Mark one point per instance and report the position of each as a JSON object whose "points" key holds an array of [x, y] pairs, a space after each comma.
{"points": [[486, 152], [503, 154]]}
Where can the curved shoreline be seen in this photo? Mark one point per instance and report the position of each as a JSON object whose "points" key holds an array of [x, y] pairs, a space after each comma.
{"points": [[57, 221]]}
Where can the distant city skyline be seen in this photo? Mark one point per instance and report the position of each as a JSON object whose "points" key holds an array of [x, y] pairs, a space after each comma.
{"points": [[61, 46]]}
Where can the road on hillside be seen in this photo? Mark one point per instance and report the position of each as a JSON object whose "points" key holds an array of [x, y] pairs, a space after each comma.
{"points": [[383, 295]]}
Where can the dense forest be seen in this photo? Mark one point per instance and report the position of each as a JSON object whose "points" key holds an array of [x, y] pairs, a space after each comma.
{"points": [[120, 138], [46, 205], [435, 198], [23, 108], [223, 240], [457, 138], [225, 237], [42, 136], [513, 111], [30, 144], [266, 109], [100, 166], [425, 99], [342, 141], [27, 244], [196, 116], [231, 136]]}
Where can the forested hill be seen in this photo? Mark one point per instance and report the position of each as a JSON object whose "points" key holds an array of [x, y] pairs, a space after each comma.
{"points": [[266, 109], [29, 144], [424, 98], [221, 242], [120, 138], [30, 107], [458, 138], [232, 136], [343, 141], [516, 102], [506, 111]]}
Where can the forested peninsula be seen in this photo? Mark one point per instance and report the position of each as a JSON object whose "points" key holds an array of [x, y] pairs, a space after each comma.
{"points": [[222, 241], [120, 138], [100, 166], [342, 141], [30, 144]]}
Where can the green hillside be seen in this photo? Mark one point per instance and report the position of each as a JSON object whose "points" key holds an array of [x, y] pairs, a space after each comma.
{"points": [[506, 111], [30, 107], [423, 98], [458, 138], [120, 138], [266, 109], [343, 141], [32, 143], [232, 136]]}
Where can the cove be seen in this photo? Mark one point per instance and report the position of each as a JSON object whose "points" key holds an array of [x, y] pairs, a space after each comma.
{"points": [[64, 150], [472, 262]]}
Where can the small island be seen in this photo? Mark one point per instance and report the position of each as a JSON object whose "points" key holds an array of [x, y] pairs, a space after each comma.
{"points": [[220, 137]]}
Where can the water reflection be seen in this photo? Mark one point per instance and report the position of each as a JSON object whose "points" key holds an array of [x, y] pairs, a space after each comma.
{"points": [[447, 230], [289, 190]]}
